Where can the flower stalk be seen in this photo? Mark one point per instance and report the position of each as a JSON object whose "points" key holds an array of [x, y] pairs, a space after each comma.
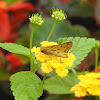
{"points": [[73, 70], [96, 59], [31, 38], [55, 23], [44, 78], [47, 40], [96, 48], [36, 20]]}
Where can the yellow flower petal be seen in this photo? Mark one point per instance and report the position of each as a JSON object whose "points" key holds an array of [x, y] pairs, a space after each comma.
{"points": [[46, 68]]}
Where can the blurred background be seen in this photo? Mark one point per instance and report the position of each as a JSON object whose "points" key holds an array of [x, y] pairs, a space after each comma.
{"points": [[83, 20]]}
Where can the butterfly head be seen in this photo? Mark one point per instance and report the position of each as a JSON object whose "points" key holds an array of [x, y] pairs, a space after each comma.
{"points": [[44, 50]]}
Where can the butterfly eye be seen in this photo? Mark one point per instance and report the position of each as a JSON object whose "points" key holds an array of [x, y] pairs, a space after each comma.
{"points": [[42, 51]]}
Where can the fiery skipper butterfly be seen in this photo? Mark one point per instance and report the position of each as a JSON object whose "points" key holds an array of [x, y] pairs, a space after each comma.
{"points": [[60, 50]]}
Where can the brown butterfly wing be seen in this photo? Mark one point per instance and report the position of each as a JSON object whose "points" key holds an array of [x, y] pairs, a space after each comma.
{"points": [[60, 50]]}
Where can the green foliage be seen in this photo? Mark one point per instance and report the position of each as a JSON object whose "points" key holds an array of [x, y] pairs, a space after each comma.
{"points": [[3, 74], [15, 48], [25, 59], [63, 29], [54, 98], [24, 36], [26, 86], [73, 8], [92, 98], [57, 85], [22, 41], [9, 2], [59, 97], [81, 47]]}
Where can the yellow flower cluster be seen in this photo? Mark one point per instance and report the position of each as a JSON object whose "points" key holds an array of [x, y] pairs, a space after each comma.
{"points": [[89, 85], [50, 62]]}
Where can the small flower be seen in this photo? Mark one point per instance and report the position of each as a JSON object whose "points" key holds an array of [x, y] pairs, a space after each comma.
{"points": [[89, 85], [36, 19], [96, 44], [58, 15], [50, 62]]}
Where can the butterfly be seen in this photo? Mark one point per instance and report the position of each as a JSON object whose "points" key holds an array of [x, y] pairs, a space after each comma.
{"points": [[60, 50]]}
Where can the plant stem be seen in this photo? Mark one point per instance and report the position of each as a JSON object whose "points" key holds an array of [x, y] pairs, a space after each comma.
{"points": [[36, 68], [96, 59], [55, 23], [73, 70], [31, 38], [44, 78]]}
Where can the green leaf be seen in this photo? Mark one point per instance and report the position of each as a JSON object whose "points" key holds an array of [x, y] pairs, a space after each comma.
{"points": [[26, 86], [15, 48], [81, 47], [57, 85], [3, 74], [63, 29]]}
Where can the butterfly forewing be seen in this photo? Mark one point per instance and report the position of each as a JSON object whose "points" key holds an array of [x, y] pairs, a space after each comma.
{"points": [[60, 50]]}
